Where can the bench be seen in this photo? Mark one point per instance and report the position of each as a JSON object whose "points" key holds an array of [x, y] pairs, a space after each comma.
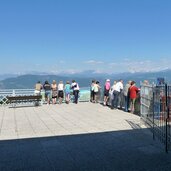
{"points": [[15, 100]]}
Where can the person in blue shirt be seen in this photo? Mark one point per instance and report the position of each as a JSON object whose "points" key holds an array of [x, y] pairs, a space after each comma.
{"points": [[67, 90]]}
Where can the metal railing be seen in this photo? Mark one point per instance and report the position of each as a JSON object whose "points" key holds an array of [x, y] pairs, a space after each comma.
{"points": [[84, 95], [155, 111], [13, 92]]}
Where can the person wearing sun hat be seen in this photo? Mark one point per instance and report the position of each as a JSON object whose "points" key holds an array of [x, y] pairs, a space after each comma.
{"points": [[106, 92]]}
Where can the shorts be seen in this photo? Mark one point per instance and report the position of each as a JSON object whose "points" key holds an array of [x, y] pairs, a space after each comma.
{"points": [[60, 94], [67, 93], [37, 92], [96, 93], [54, 94], [47, 94], [106, 93]]}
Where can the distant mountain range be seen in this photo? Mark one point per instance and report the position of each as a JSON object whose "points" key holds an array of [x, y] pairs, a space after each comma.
{"points": [[83, 78]]}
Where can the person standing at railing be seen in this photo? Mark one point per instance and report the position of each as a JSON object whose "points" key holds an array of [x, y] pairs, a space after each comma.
{"points": [[106, 92], [67, 92], [111, 95], [116, 93], [38, 88], [76, 90], [54, 91], [126, 95], [133, 90], [99, 92], [92, 95], [96, 92], [47, 88], [60, 92]]}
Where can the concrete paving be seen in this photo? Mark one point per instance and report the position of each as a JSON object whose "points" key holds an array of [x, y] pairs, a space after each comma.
{"points": [[83, 137]]}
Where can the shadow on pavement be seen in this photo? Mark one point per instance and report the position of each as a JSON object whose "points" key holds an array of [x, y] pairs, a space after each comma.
{"points": [[132, 150]]}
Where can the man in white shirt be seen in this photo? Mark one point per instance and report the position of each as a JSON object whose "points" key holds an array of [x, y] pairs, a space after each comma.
{"points": [[116, 92], [76, 89]]}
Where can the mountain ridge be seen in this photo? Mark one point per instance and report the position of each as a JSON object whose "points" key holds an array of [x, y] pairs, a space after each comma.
{"points": [[83, 78]]}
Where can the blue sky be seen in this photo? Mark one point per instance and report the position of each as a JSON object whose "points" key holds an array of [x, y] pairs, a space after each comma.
{"points": [[76, 35]]}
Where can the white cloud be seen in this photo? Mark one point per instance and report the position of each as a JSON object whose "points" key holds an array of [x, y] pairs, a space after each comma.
{"points": [[94, 62], [119, 66], [128, 65]]}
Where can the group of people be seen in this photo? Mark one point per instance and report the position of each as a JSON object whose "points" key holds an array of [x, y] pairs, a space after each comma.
{"points": [[56, 91], [116, 95], [95, 91], [120, 95]]}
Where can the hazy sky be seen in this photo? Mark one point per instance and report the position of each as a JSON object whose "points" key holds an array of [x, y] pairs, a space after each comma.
{"points": [[76, 35]]}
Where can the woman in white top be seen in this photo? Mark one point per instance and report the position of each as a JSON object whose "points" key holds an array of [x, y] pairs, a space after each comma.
{"points": [[60, 92], [96, 91]]}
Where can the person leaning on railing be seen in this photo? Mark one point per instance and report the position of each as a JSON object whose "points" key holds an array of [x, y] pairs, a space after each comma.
{"points": [[126, 95], [133, 90], [106, 92], [116, 93], [54, 91], [67, 90], [96, 92], [76, 90], [47, 88], [38, 88], [99, 92], [60, 92], [92, 94]]}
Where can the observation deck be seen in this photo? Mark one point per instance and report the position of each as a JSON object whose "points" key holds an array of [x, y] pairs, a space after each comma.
{"points": [[83, 136]]}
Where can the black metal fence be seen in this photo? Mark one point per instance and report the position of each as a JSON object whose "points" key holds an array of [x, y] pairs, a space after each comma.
{"points": [[156, 111]]}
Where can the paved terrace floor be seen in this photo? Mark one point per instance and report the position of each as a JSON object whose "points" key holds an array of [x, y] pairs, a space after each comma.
{"points": [[82, 137]]}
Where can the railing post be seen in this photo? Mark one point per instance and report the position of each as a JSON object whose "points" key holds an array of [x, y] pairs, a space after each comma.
{"points": [[166, 109], [168, 116], [153, 112]]}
